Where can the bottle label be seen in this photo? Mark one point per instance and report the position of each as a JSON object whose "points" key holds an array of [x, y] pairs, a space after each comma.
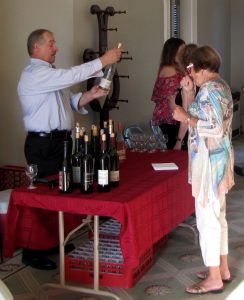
{"points": [[105, 83], [76, 174], [64, 181], [88, 178], [103, 177], [121, 154], [114, 176]]}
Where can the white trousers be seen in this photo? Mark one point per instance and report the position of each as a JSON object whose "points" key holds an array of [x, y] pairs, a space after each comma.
{"points": [[213, 230]]}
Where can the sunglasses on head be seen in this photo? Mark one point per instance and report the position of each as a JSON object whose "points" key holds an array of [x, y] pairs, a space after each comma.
{"points": [[189, 67]]}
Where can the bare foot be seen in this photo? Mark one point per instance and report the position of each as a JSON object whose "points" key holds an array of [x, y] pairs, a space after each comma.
{"points": [[205, 286]]}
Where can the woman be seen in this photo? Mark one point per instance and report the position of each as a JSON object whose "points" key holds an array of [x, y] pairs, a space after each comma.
{"points": [[209, 119], [166, 87], [182, 136]]}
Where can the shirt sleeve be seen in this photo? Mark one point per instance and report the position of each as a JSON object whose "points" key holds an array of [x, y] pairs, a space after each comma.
{"points": [[74, 100], [210, 123], [43, 79]]}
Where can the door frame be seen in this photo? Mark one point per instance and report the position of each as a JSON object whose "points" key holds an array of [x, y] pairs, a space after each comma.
{"points": [[188, 20]]}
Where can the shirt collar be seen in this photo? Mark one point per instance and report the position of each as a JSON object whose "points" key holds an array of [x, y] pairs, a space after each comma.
{"points": [[38, 61]]}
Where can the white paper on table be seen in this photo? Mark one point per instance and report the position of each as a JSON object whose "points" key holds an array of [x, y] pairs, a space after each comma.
{"points": [[164, 166]]}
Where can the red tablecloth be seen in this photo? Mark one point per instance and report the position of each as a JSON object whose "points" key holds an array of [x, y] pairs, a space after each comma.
{"points": [[148, 204]]}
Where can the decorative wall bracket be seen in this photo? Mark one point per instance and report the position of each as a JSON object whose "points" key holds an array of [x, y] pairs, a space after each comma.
{"points": [[89, 54]]}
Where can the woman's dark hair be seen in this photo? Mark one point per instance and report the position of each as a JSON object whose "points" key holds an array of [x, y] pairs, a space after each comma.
{"points": [[189, 49], [206, 58], [169, 51], [35, 37]]}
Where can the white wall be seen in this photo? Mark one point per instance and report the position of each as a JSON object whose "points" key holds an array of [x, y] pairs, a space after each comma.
{"points": [[76, 29], [237, 46], [213, 20], [140, 31], [17, 20]]}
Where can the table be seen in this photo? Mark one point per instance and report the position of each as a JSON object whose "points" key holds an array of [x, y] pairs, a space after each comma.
{"points": [[148, 204]]}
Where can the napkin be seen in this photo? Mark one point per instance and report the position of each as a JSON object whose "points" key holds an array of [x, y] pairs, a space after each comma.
{"points": [[164, 166]]}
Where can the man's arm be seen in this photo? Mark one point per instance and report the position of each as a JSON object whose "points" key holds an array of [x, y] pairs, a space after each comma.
{"points": [[94, 93]]}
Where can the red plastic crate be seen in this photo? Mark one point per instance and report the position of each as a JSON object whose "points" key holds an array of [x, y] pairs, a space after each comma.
{"points": [[12, 176], [160, 243], [111, 273], [110, 229]]}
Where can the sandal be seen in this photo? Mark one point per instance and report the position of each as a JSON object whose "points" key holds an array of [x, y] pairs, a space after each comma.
{"points": [[204, 275], [200, 290]]}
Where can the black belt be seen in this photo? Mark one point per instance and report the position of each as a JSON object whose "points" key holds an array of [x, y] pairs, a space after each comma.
{"points": [[55, 134]]}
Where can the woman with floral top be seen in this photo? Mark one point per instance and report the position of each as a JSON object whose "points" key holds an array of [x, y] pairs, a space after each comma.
{"points": [[166, 88], [209, 118]]}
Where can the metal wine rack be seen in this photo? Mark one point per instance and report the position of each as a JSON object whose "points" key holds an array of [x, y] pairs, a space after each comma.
{"points": [[89, 54]]}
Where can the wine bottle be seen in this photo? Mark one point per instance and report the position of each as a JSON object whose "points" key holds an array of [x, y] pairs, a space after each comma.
{"points": [[65, 174], [105, 129], [86, 183], [114, 162], [103, 168], [81, 139], [120, 141], [110, 126], [107, 78], [76, 159], [95, 149]]}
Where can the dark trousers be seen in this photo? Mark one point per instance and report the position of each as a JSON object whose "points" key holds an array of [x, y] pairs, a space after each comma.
{"points": [[48, 155], [172, 131]]}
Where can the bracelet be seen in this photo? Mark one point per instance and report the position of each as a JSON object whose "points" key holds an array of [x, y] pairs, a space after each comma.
{"points": [[178, 139]]}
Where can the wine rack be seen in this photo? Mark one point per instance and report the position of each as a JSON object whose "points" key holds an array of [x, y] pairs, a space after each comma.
{"points": [[111, 101]]}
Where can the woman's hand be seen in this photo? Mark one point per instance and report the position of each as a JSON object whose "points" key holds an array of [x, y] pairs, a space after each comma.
{"points": [[187, 84], [179, 114]]}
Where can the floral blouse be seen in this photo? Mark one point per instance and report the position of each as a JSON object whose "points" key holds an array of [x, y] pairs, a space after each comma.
{"points": [[211, 158], [163, 88]]}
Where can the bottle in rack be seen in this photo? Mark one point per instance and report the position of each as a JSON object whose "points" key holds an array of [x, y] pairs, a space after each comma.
{"points": [[95, 149], [104, 167], [81, 139], [120, 141], [76, 159], [65, 174], [105, 129], [110, 126], [107, 78], [114, 162], [86, 183]]}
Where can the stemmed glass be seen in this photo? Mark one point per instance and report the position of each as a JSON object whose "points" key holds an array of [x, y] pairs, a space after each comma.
{"points": [[135, 143], [31, 171]]}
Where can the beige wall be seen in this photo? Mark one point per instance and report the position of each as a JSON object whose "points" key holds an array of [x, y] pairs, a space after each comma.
{"points": [[140, 30], [237, 45], [213, 23], [141, 35], [17, 19]]}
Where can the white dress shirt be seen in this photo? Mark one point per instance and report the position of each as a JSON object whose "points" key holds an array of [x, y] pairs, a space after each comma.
{"points": [[46, 101]]}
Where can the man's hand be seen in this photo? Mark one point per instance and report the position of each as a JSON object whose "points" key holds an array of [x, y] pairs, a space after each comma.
{"points": [[94, 93], [110, 57], [97, 92]]}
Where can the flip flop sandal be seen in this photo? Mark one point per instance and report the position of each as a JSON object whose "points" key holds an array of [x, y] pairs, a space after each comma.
{"points": [[200, 290], [204, 275]]}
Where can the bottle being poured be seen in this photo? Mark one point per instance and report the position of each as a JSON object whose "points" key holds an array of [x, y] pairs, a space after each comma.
{"points": [[106, 80]]}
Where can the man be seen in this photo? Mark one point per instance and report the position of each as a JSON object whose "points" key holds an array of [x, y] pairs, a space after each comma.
{"points": [[47, 106]]}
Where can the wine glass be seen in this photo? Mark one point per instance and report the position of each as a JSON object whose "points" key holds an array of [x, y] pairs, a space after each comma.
{"points": [[31, 171]]}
